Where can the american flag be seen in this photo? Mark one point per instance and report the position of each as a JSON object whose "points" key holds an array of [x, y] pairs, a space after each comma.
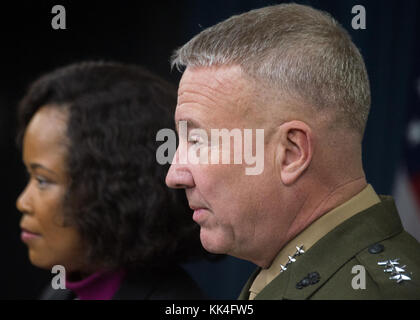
{"points": [[407, 183]]}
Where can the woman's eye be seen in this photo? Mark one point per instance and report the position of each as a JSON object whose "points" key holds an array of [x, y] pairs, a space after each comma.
{"points": [[42, 183]]}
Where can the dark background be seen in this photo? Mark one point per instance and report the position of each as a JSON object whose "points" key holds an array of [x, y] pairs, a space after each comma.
{"points": [[146, 33]]}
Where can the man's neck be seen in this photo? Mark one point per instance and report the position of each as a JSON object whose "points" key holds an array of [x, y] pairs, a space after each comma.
{"points": [[318, 204]]}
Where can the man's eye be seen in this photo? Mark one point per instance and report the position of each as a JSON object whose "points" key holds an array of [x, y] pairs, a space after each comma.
{"points": [[194, 139]]}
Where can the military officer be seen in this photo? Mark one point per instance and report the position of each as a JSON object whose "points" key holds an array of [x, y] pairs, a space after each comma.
{"points": [[309, 219], [358, 250]]}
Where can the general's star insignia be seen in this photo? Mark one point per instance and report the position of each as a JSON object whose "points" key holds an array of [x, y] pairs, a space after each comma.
{"points": [[392, 267]]}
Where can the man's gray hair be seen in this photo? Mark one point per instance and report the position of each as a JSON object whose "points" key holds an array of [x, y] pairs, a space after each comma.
{"points": [[300, 51]]}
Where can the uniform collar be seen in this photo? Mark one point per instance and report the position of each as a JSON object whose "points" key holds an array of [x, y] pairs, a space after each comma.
{"points": [[313, 233], [330, 253]]}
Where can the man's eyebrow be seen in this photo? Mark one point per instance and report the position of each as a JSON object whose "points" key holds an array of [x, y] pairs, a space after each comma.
{"points": [[35, 166], [190, 124]]}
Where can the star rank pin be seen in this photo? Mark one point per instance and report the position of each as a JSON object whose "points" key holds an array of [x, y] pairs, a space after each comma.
{"points": [[396, 271], [299, 251]]}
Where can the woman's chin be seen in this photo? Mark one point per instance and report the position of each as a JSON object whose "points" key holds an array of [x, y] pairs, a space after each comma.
{"points": [[40, 264], [40, 261]]}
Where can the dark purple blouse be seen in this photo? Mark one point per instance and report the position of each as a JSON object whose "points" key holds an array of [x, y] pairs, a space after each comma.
{"points": [[101, 285]]}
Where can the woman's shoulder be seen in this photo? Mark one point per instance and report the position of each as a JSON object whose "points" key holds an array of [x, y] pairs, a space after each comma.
{"points": [[169, 283]]}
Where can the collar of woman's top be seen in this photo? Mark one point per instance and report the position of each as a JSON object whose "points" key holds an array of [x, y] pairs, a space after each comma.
{"points": [[101, 285]]}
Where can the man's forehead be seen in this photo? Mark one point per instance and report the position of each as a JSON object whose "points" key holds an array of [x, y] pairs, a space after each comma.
{"points": [[220, 79], [219, 91]]}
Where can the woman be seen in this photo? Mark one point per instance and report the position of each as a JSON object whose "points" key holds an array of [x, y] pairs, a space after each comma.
{"points": [[96, 202]]}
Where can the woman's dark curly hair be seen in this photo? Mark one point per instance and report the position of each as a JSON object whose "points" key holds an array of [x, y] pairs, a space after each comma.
{"points": [[117, 198]]}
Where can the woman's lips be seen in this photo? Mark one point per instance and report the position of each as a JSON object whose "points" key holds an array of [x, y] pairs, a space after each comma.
{"points": [[28, 236]]}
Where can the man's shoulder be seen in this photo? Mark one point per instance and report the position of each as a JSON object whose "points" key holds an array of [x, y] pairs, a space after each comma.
{"points": [[385, 268], [389, 269], [394, 266], [345, 262]]}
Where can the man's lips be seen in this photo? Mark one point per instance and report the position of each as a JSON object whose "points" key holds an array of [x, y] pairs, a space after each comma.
{"points": [[196, 207], [199, 214]]}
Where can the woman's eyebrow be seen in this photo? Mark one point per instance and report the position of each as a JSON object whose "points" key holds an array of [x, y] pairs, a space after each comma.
{"points": [[35, 166]]}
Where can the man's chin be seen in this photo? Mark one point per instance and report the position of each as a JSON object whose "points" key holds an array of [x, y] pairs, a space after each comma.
{"points": [[212, 243]]}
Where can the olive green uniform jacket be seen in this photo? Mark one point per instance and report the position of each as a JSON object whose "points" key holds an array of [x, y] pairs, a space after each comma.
{"points": [[371, 236]]}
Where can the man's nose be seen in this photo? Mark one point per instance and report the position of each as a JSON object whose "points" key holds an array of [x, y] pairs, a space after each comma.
{"points": [[179, 175]]}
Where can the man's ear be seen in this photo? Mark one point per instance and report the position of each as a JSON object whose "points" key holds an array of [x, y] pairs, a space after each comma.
{"points": [[294, 150]]}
